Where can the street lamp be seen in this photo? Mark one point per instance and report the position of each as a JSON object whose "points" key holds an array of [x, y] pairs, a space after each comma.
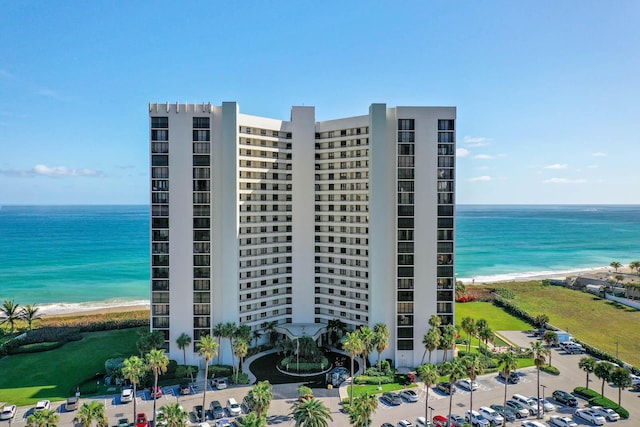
{"points": [[543, 389], [431, 413]]}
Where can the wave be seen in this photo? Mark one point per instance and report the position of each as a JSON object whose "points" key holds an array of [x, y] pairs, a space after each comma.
{"points": [[543, 274], [68, 307]]}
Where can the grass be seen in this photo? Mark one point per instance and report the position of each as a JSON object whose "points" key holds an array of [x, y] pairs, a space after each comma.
{"points": [[498, 319], [27, 378], [373, 389], [585, 316]]}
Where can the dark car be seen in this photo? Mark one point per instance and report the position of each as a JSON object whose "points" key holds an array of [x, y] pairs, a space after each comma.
{"points": [[565, 398], [198, 412], [446, 388], [217, 411], [508, 414], [512, 378], [123, 422], [185, 388], [391, 398]]}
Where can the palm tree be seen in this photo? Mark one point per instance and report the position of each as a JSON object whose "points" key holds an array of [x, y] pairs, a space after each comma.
{"points": [[474, 365], [469, 326], [337, 329], [551, 338], [30, 313], [486, 335], [588, 365], [603, 371], [381, 341], [89, 412], [230, 329], [539, 358], [368, 343], [255, 336], [243, 331], [455, 370], [429, 375], [540, 320], [218, 332], [253, 419], [133, 369], [508, 363], [363, 407], [173, 415], [435, 321], [621, 378], [157, 363], [448, 339], [240, 349], [311, 413], [207, 349], [11, 311], [260, 397], [616, 265], [45, 418], [431, 341], [270, 328], [183, 341], [635, 265], [354, 345]]}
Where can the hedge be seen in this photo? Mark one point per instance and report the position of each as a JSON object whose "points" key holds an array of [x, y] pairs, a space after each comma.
{"points": [[220, 371], [37, 347], [291, 365], [595, 399], [366, 379], [550, 370], [587, 393], [515, 310]]}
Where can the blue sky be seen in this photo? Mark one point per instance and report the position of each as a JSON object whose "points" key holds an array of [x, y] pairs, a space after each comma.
{"points": [[547, 92]]}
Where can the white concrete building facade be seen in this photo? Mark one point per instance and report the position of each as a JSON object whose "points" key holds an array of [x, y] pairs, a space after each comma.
{"points": [[260, 221]]}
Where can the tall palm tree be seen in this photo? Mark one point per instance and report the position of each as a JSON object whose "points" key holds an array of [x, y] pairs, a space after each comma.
{"points": [[431, 341], [30, 313], [90, 412], [448, 339], [157, 363], [337, 329], [353, 344], [133, 369], [474, 365], [455, 370], [183, 341], [551, 338], [11, 311], [173, 415], [468, 326], [540, 321], [311, 413], [621, 378], [429, 376], [435, 321], [240, 349], [603, 371], [381, 341], [229, 333], [363, 407], [260, 397], [218, 332], [255, 336], [45, 418], [368, 343], [207, 349], [508, 363], [486, 335], [588, 365], [252, 419], [243, 331], [635, 265], [539, 358], [616, 265]]}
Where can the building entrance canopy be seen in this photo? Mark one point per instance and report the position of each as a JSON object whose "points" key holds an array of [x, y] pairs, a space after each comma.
{"points": [[299, 330]]}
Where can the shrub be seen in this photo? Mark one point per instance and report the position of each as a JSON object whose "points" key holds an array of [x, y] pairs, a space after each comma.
{"points": [[587, 393], [608, 403], [514, 309], [365, 379], [242, 379], [293, 365], [505, 293], [181, 371], [37, 347], [550, 370], [113, 367], [220, 371]]}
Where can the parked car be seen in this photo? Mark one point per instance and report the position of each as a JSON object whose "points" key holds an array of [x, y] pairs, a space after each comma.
{"points": [[185, 389], [506, 413], [404, 423], [422, 422], [41, 405], [467, 384], [246, 405], [446, 388], [565, 398], [391, 398], [532, 424], [126, 395], [233, 407], [123, 422], [591, 416], [492, 415], [512, 377], [608, 413], [71, 404], [141, 420], [530, 404], [545, 405], [8, 412], [217, 411], [223, 423], [219, 383], [409, 395], [440, 421], [387, 425], [457, 420], [155, 392], [562, 421], [198, 412], [574, 348], [476, 419], [518, 409]]}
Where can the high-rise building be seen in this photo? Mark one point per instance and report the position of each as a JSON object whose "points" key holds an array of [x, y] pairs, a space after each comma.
{"points": [[293, 224]]}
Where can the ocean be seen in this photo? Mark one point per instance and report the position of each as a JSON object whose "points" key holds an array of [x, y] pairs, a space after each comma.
{"points": [[73, 257]]}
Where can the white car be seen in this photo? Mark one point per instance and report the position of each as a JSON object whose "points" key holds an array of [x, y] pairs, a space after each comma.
{"points": [[42, 405], [591, 416], [404, 423], [562, 421], [8, 412], [409, 395], [476, 419], [492, 415], [126, 395], [609, 414], [467, 384], [220, 383], [233, 407], [532, 424], [545, 405]]}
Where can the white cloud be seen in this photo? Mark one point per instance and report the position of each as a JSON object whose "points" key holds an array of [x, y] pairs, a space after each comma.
{"points": [[593, 167], [52, 172], [476, 141], [556, 166], [462, 152], [599, 154], [483, 178], [483, 168], [483, 156], [564, 181]]}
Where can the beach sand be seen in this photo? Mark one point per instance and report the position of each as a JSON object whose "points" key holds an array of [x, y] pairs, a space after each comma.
{"points": [[76, 309]]}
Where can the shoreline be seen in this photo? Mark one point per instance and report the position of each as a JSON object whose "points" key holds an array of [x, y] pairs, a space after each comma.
{"points": [[603, 272], [91, 308]]}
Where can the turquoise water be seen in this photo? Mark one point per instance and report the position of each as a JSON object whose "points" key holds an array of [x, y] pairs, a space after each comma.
{"points": [[87, 254]]}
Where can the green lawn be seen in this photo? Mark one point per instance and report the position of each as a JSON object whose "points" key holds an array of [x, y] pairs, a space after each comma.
{"points": [[498, 319], [373, 389], [27, 378], [585, 316]]}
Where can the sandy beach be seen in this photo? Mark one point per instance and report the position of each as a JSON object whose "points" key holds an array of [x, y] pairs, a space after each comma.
{"points": [[56, 310], [600, 273]]}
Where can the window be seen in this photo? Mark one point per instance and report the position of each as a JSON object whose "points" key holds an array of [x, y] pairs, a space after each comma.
{"points": [[445, 124], [160, 122], [201, 122], [406, 136], [159, 135], [407, 124], [445, 136], [201, 135]]}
